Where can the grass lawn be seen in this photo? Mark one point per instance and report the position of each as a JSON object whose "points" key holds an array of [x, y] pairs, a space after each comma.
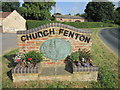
{"points": [[102, 57]]}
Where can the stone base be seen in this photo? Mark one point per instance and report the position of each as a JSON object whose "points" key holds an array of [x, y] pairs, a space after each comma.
{"points": [[85, 76], [61, 73], [80, 76], [24, 77]]}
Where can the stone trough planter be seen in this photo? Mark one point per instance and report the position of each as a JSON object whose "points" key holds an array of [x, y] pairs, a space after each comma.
{"points": [[83, 69], [89, 73], [25, 73]]}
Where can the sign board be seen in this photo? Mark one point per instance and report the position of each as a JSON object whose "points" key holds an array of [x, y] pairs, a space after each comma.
{"points": [[54, 40]]}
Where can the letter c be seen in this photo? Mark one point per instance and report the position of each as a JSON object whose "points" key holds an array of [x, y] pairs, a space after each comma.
{"points": [[23, 38]]}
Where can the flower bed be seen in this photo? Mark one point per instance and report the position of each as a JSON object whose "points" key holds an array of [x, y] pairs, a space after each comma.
{"points": [[81, 61], [28, 59]]}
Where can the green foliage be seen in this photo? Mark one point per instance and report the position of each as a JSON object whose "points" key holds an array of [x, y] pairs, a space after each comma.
{"points": [[57, 85], [10, 6], [117, 15], [36, 10], [36, 56], [78, 55], [100, 11], [75, 56], [78, 14], [84, 15], [53, 18], [106, 79], [57, 14], [34, 23]]}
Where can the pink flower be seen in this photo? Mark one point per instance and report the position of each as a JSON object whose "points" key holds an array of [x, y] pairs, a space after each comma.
{"points": [[29, 58], [17, 60], [90, 59], [23, 61]]}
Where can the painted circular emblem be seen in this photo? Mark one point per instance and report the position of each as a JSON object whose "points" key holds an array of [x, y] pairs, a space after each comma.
{"points": [[55, 49]]}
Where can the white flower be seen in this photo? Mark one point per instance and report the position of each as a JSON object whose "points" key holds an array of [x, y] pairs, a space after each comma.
{"points": [[83, 59]]}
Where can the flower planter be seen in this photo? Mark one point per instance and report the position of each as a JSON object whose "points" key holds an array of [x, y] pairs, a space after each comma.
{"points": [[82, 73], [22, 73], [86, 68]]}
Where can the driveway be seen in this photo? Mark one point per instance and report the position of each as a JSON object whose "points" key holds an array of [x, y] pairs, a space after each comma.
{"points": [[8, 42], [110, 36]]}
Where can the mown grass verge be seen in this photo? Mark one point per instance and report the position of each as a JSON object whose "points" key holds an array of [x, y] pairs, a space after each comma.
{"points": [[102, 57], [107, 63], [33, 24]]}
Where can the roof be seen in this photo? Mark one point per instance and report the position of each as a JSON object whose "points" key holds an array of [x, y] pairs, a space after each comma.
{"points": [[68, 17], [4, 14]]}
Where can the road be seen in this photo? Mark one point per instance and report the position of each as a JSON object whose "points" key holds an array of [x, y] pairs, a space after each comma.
{"points": [[110, 36], [9, 41]]}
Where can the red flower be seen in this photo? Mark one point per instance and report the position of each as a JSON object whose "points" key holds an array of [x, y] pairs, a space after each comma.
{"points": [[29, 58], [90, 59], [17, 60], [23, 61]]}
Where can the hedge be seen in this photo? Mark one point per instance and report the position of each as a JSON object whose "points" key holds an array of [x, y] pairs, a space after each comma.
{"points": [[34, 23]]}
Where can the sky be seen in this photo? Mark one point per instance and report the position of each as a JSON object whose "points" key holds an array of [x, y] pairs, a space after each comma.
{"points": [[72, 6]]}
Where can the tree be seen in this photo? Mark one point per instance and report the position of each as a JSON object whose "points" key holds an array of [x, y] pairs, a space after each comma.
{"points": [[36, 10], [78, 14], [84, 15], [10, 6], [57, 14], [118, 9], [100, 11], [100, 0], [117, 15]]}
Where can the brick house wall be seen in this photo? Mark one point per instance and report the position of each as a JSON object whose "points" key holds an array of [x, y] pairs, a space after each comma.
{"points": [[68, 18]]}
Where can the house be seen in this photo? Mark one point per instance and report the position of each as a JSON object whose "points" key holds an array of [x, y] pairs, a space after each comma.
{"points": [[69, 18], [12, 22]]}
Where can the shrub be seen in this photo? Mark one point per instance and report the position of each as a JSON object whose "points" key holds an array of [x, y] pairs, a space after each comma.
{"points": [[78, 55], [34, 23], [36, 56]]}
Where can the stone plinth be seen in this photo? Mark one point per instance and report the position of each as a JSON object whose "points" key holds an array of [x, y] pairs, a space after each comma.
{"points": [[65, 72], [80, 76], [24, 77]]}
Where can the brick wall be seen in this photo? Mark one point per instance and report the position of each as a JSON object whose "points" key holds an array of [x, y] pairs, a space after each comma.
{"points": [[83, 40]]}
